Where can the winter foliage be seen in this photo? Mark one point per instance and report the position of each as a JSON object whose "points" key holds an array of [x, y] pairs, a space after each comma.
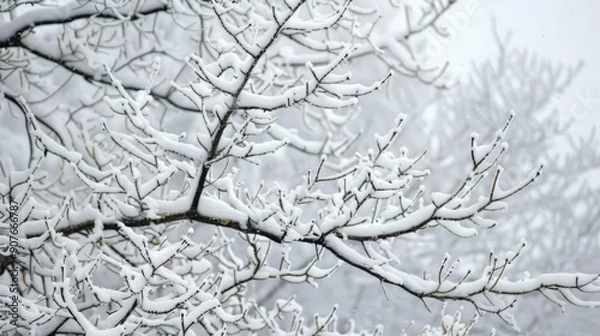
{"points": [[145, 205]]}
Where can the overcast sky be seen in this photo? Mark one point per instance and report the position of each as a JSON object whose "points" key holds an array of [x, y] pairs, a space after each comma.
{"points": [[559, 30]]}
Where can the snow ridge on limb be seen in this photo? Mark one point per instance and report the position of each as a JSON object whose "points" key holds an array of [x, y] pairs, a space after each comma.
{"points": [[121, 214], [11, 31], [130, 191], [378, 181]]}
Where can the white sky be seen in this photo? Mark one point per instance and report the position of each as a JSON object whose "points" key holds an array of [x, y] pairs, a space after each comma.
{"points": [[559, 30]]}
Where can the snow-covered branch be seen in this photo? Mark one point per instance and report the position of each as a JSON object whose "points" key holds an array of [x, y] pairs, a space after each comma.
{"points": [[133, 218]]}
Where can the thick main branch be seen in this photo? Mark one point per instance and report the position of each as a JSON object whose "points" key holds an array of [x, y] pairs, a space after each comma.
{"points": [[12, 31]]}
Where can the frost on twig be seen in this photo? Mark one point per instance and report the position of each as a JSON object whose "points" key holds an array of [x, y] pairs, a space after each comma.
{"points": [[143, 230]]}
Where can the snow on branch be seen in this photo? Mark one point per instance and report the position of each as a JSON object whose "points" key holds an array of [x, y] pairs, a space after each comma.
{"points": [[11, 31], [145, 230]]}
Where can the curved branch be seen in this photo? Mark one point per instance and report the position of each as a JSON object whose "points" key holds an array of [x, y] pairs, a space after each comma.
{"points": [[12, 32]]}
